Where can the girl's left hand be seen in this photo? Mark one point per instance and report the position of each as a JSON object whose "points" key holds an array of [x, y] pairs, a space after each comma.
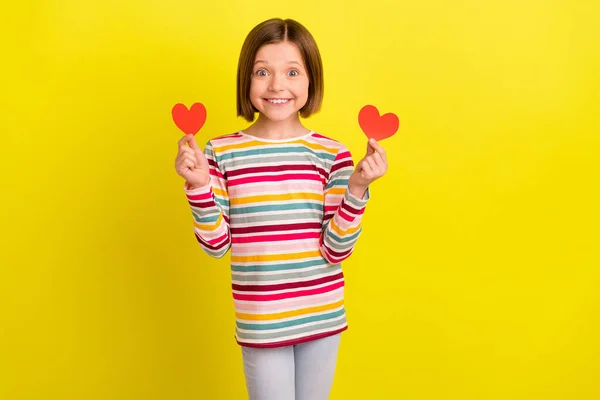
{"points": [[373, 166]]}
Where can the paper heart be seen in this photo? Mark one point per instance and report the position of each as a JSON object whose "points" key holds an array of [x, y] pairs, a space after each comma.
{"points": [[375, 126], [189, 121]]}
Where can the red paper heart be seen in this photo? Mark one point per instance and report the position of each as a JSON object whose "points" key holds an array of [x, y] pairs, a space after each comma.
{"points": [[189, 121], [375, 126]]}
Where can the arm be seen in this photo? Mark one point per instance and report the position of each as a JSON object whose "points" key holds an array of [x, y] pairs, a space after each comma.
{"points": [[343, 211], [210, 208]]}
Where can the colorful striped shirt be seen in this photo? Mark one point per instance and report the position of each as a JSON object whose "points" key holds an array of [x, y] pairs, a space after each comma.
{"points": [[284, 210]]}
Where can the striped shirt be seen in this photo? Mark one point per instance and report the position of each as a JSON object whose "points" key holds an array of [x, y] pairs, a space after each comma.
{"points": [[283, 208]]}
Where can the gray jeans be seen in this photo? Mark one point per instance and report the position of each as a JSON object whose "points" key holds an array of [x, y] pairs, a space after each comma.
{"points": [[300, 372]]}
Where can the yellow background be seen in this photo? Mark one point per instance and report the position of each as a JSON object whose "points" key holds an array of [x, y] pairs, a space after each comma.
{"points": [[477, 273]]}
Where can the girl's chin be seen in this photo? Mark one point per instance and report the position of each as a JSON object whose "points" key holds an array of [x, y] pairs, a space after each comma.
{"points": [[279, 117]]}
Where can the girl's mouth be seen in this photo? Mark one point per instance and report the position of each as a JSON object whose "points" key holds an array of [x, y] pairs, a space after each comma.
{"points": [[278, 101]]}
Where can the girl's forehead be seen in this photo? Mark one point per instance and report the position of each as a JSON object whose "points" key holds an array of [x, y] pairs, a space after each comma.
{"points": [[278, 52]]}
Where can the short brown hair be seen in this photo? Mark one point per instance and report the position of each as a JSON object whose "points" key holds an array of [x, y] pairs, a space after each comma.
{"points": [[277, 30]]}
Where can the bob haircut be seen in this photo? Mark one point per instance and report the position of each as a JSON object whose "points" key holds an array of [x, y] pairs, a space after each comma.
{"points": [[277, 30]]}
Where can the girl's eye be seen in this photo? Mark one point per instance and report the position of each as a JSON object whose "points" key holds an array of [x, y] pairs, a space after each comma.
{"points": [[261, 72], [294, 73]]}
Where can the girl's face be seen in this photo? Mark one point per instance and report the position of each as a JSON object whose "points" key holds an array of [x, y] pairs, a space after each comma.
{"points": [[279, 86]]}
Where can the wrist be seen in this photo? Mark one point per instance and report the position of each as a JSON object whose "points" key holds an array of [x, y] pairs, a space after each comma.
{"points": [[192, 186], [358, 191]]}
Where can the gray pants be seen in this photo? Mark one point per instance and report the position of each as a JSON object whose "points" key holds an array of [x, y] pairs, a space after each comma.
{"points": [[301, 372]]}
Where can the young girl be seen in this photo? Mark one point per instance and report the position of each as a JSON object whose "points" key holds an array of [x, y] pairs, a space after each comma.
{"points": [[289, 203]]}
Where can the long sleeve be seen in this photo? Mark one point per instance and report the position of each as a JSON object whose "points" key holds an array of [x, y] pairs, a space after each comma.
{"points": [[342, 211], [210, 209]]}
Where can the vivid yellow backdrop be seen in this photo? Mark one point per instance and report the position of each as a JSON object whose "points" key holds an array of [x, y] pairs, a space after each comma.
{"points": [[477, 274]]}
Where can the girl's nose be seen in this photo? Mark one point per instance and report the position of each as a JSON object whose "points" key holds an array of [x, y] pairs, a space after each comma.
{"points": [[276, 83]]}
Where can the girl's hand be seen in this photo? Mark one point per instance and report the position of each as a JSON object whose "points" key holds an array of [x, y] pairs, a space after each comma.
{"points": [[371, 167], [191, 163]]}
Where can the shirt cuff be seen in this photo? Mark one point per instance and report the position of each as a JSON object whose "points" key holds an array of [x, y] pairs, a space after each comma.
{"points": [[357, 201]]}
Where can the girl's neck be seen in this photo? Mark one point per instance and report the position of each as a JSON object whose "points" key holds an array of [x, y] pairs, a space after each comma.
{"points": [[276, 130]]}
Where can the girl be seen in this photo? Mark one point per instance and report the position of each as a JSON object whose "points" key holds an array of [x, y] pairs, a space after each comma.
{"points": [[288, 202]]}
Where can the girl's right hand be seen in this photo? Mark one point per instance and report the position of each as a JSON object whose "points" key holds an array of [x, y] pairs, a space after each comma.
{"points": [[191, 163]]}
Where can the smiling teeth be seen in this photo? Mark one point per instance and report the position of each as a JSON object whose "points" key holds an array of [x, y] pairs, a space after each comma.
{"points": [[278, 101]]}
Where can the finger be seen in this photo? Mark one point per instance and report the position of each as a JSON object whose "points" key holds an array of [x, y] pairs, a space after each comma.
{"points": [[184, 166], [366, 168], [373, 143], [379, 161], [359, 166], [199, 159], [372, 163], [370, 149], [193, 144], [185, 158], [191, 158], [183, 140], [186, 150], [189, 163]]}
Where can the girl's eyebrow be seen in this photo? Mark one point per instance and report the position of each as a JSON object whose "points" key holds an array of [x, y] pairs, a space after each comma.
{"points": [[265, 62]]}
